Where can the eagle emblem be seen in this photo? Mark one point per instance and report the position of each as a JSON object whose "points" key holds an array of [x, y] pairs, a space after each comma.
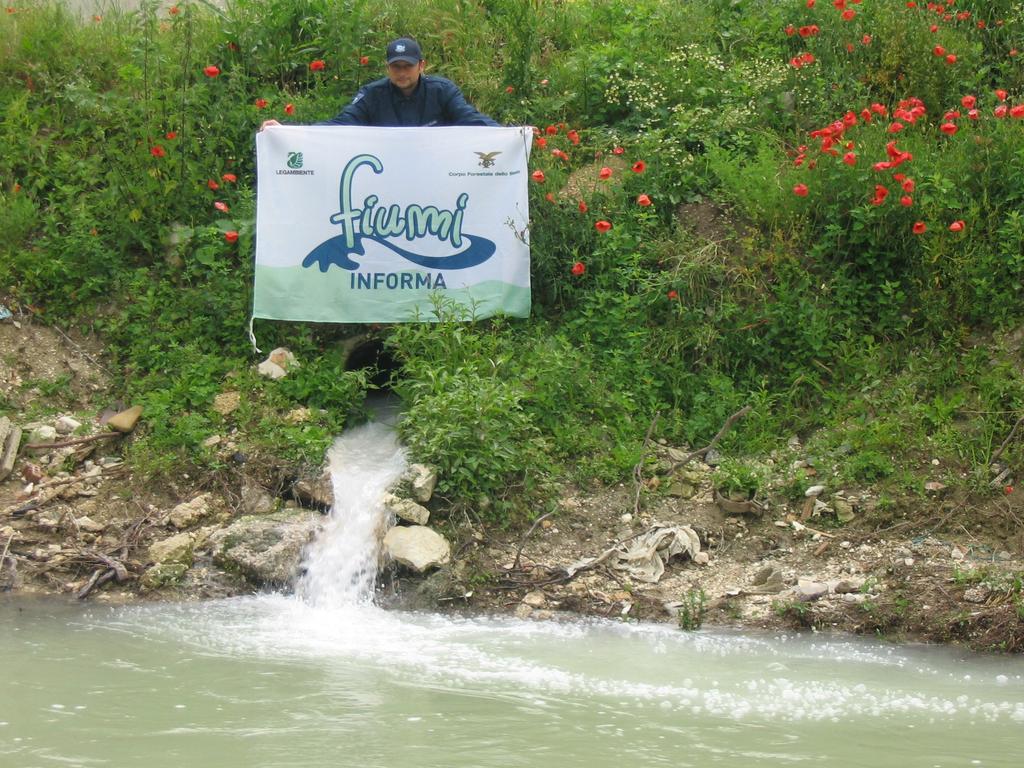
{"points": [[487, 158]]}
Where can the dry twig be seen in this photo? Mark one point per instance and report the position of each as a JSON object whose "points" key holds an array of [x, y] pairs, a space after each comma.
{"points": [[701, 452]]}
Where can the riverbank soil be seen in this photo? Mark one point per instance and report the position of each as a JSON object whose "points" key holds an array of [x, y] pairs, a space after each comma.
{"points": [[77, 520]]}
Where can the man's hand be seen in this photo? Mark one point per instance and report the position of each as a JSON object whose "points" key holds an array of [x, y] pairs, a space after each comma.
{"points": [[268, 123]]}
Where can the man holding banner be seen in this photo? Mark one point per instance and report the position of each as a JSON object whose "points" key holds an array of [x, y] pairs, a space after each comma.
{"points": [[407, 98], [375, 217]]}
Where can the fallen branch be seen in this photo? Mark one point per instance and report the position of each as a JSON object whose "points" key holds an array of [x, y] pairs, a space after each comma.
{"points": [[75, 441], [701, 452], [7, 548], [1006, 442], [522, 542], [638, 470]]}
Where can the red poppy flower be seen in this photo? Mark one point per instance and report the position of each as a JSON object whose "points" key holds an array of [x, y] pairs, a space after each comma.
{"points": [[289, 109], [583, 206], [1001, 110], [605, 173], [938, 50], [673, 294], [866, 40], [538, 176], [908, 185], [1017, 110], [790, 30], [918, 228], [969, 101], [957, 226], [211, 71], [229, 177], [578, 268], [171, 135], [231, 237], [880, 194], [618, 151], [895, 127], [1008, 490], [1001, 94], [364, 60], [951, 58], [848, 14], [174, 10], [559, 154], [602, 225], [949, 129], [639, 166], [260, 103], [509, 89], [643, 200], [573, 137], [212, 184], [906, 201], [1013, 53], [157, 151], [551, 130], [317, 65], [850, 159], [550, 197], [222, 207], [800, 190]]}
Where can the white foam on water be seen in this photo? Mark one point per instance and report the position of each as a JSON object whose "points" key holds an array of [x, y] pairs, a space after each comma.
{"points": [[340, 566], [716, 675]]}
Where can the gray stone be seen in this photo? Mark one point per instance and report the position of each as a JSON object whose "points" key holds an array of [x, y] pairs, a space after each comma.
{"points": [[535, 599], [808, 590], [976, 594], [848, 586], [42, 435], [702, 558], [423, 480], [188, 513], [10, 440], [255, 499], [844, 509], [814, 491], [176, 549], [417, 547], [315, 492], [406, 509], [126, 420], [89, 525], [66, 425], [265, 549]]}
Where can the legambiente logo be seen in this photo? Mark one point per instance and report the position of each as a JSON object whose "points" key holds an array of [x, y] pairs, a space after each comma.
{"points": [[294, 164], [382, 224]]}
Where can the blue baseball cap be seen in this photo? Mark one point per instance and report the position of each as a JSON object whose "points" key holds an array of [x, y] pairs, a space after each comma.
{"points": [[404, 49]]}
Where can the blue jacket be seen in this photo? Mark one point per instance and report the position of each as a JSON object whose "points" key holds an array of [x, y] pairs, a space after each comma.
{"points": [[435, 102]]}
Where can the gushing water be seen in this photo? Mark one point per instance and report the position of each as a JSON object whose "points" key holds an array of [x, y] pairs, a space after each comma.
{"points": [[340, 566]]}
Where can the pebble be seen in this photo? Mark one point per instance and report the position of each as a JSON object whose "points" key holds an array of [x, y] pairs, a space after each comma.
{"points": [[814, 490]]}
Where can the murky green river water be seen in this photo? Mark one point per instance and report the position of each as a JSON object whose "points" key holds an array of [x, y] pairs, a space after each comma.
{"points": [[270, 681]]}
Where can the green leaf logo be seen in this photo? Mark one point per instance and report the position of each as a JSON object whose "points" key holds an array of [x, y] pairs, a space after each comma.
{"points": [[294, 159]]}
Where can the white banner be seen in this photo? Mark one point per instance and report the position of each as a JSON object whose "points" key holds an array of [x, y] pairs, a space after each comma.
{"points": [[367, 225]]}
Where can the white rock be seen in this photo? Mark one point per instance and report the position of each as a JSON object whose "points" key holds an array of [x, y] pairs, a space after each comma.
{"points": [[42, 435], [417, 547], [66, 425], [191, 512], [406, 509], [814, 490], [535, 599], [271, 370], [702, 558], [424, 480], [176, 549]]}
